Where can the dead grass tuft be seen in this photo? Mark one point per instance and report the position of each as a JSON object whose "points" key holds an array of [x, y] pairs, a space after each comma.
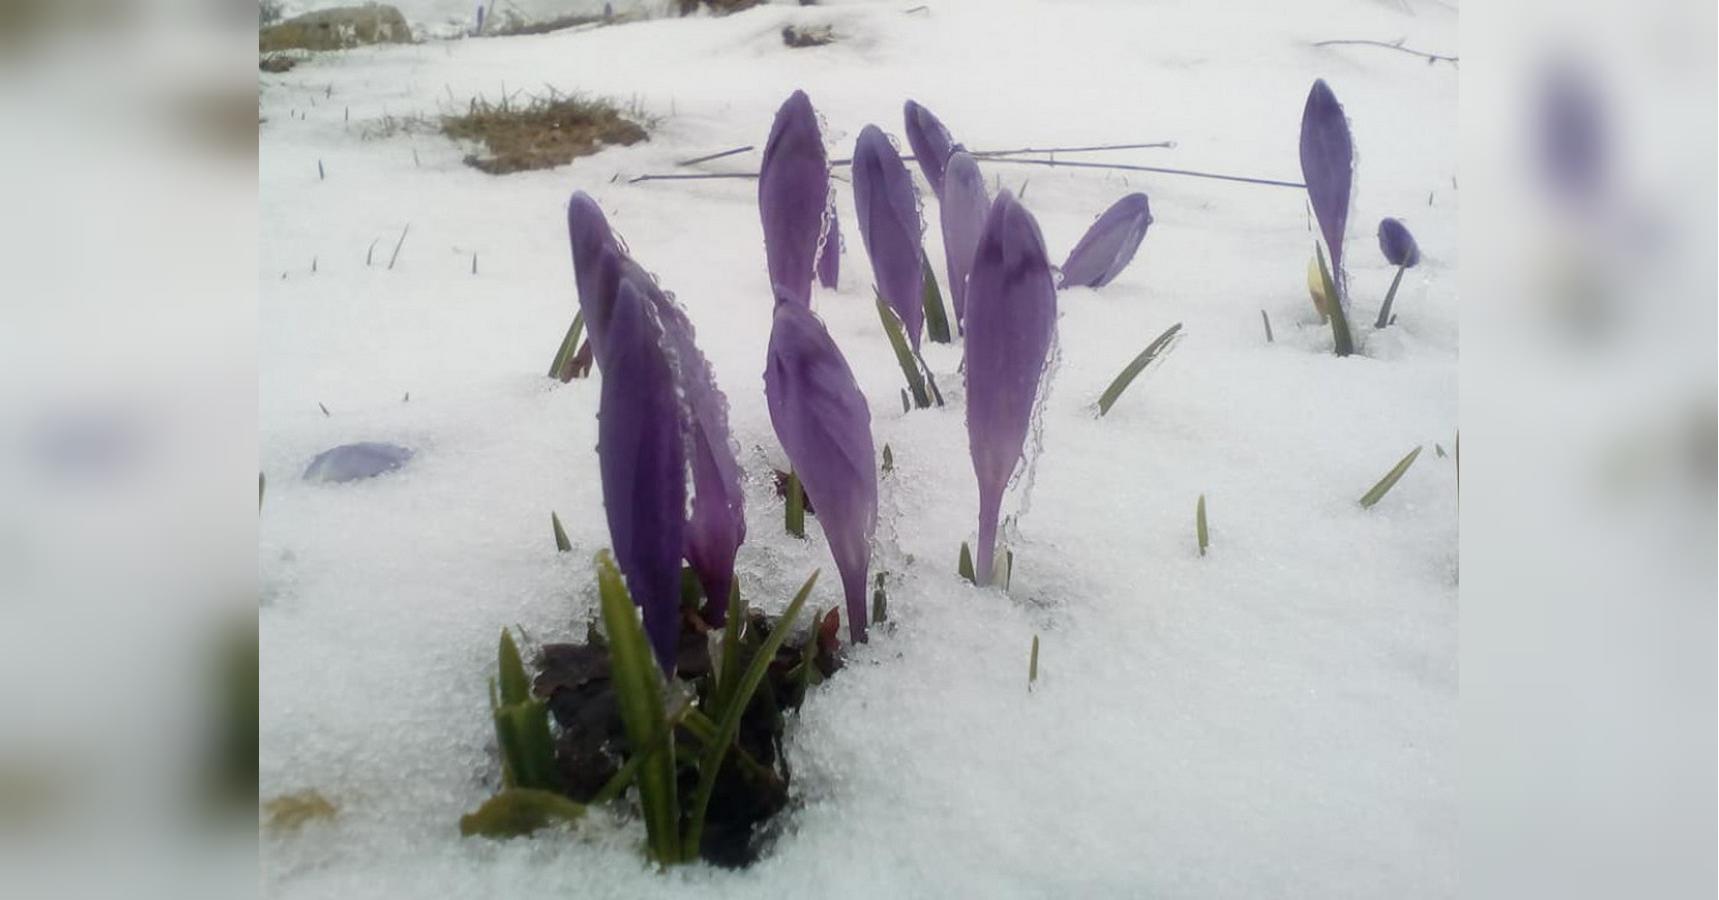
{"points": [[541, 133]]}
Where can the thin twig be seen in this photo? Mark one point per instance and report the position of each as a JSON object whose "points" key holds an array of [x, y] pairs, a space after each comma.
{"points": [[401, 243], [1390, 45], [1024, 162], [698, 159]]}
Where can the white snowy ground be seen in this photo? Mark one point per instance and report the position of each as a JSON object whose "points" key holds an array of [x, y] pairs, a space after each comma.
{"points": [[1276, 719]]}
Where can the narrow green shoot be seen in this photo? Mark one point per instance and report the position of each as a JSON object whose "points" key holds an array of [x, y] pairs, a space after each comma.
{"points": [[906, 406], [263, 485], [1390, 295], [936, 319], [965, 565], [559, 367], [1439, 449], [903, 354], [638, 684], [1343, 344], [888, 459], [562, 544], [729, 726], [1267, 320], [1033, 665], [1390, 480], [879, 602], [398, 244], [795, 516], [729, 666], [1200, 524], [1158, 346], [515, 687]]}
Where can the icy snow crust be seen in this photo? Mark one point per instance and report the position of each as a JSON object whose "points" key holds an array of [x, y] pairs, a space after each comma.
{"points": [[1276, 719]]}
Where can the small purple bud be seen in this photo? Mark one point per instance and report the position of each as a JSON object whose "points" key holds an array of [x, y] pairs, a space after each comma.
{"points": [[1397, 244], [1011, 324], [830, 256], [642, 459], [352, 462], [888, 213], [1109, 245], [822, 420], [931, 144], [964, 208], [793, 197], [1328, 167], [597, 263]]}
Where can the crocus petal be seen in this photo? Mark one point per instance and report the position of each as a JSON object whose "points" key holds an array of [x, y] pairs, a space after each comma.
{"points": [[351, 462], [643, 465], [830, 255], [1109, 245], [931, 144], [1011, 321], [597, 262], [793, 196], [824, 425], [964, 207], [888, 213], [1328, 167], [1397, 244], [717, 525]]}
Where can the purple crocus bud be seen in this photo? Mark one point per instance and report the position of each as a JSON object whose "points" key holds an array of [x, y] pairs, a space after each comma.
{"points": [[1397, 244], [793, 197], [964, 208], [1109, 245], [1011, 322], [823, 422], [352, 462], [717, 525], [597, 261], [830, 254], [931, 144], [643, 464], [1328, 167], [888, 213]]}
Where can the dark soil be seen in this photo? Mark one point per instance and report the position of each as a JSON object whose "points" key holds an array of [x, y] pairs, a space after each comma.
{"points": [[541, 133]]}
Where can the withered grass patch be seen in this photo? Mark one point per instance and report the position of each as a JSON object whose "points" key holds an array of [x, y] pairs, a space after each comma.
{"points": [[541, 133]]}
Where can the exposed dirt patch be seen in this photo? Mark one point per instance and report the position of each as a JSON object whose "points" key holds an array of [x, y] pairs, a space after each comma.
{"points": [[541, 133]]}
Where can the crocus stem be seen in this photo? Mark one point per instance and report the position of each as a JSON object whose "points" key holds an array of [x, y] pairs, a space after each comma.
{"points": [[988, 512], [1385, 311]]}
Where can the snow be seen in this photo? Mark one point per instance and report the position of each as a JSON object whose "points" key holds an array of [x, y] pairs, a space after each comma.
{"points": [[1276, 719]]}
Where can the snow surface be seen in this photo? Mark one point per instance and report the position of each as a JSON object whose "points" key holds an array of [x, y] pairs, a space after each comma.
{"points": [[1276, 719]]}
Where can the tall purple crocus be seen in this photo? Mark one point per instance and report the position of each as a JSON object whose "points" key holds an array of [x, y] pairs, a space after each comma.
{"points": [[888, 213], [608, 280], [793, 197], [824, 425], [931, 144], [964, 208], [830, 254], [1328, 167], [1109, 245], [641, 455], [1011, 322]]}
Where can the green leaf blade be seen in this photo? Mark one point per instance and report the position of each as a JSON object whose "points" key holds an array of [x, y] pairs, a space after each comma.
{"points": [[638, 682], [1390, 480], [1136, 366], [903, 354]]}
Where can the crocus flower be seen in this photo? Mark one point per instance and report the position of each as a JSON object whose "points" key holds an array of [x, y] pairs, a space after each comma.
{"points": [[1397, 244], [1401, 251], [642, 458], [830, 256], [824, 425], [607, 277], [931, 144], [964, 207], [351, 462], [1328, 167], [793, 197], [1011, 322], [1109, 245], [888, 213]]}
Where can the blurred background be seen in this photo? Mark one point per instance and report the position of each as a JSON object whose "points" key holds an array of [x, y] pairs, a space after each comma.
{"points": [[128, 440]]}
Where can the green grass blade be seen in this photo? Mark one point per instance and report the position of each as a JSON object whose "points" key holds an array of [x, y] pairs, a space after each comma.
{"points": [[1200, 524], [903, 354], [519, 811], [729, 726], [795, 516], [1267, 320], [1033, 664], [562, 544], [1342, 342], [515, 687], [1390, 295], [569, 346], [638, 684], [1390, 480], [879, 602], [936, 319], [729, 666], [1133, 370], [529, 723], [964, 566]]}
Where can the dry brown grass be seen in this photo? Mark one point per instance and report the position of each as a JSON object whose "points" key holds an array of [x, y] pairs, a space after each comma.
{"points": [[541, 133]]}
